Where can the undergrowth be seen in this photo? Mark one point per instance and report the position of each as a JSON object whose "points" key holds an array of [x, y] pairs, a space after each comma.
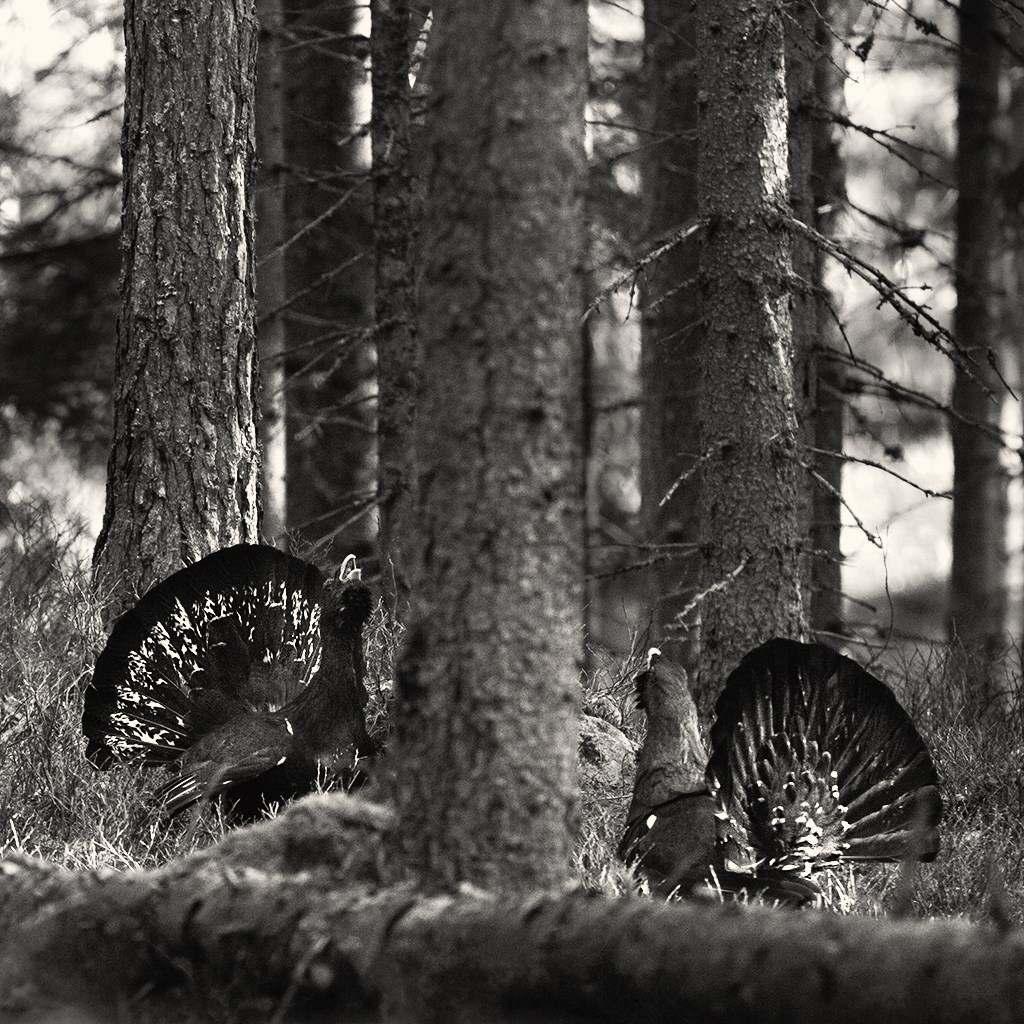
{"points": [[54, 804]]}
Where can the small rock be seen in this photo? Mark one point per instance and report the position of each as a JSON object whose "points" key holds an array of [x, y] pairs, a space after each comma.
{"points": [[607, 757]]}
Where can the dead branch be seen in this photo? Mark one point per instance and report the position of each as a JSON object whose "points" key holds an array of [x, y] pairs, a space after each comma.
{"points": [[846, 457], [914, 314], [678, 623], [629, 277], [836, 493]]}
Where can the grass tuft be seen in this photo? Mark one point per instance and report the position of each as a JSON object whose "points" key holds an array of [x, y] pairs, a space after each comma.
{"points": [[55, 805]]}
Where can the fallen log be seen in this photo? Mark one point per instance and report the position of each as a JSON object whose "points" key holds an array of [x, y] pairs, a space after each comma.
{"points": [[289, 921]]}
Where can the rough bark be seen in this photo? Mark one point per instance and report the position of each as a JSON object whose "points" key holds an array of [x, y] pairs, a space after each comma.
{"points": [[672, 333], [827, 411], [287, 919], [330, 279], [183, 470], [394, 293], [487, 695], [978, 579], [271, 290], [750, 497]]}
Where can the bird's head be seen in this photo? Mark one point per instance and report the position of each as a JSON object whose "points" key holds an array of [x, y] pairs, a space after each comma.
{"points": [[661, 683], [672, 758], [345, 604]]}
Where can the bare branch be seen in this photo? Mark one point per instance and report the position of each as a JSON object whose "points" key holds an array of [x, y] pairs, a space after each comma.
{"points": [[837, 494], [678, 623], [914, 314], [629, 277], [846, 457]]}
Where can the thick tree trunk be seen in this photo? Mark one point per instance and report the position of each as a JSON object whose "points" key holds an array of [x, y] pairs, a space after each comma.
{"points": [[183, 471], [978, 584], [271, 282], [394, 289], [827, 411], [751, 492], [331, 439], [672, 334], [286, 921], [486, 719]]}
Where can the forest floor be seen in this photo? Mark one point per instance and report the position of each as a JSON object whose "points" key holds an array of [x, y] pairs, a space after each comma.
{"points": [[55, 805]]}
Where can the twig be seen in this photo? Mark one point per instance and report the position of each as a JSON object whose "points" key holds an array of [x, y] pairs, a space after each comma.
{"points": [[684, 476], [846, 457], [309, 225], [914, 314], [677, 624], [629, 277], [839, 497], [902, 392]]}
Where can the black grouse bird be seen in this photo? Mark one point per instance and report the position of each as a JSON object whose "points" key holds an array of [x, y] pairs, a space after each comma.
{"points": [[813, 764], [241, 671]]}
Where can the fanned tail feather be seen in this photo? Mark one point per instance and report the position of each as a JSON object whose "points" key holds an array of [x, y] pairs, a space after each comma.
{"points": [[194, 642], [814, 762]]}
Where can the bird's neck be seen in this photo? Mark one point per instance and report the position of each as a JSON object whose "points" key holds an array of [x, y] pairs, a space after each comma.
{"points": [[672, 758], [328, 714]]}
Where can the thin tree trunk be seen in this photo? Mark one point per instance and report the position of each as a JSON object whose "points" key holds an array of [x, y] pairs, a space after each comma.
{"points": [[184, 467], [829, 188], [1011, 312], [488, 690], [397, 357], [591, 473], [978, 583], [287, 922], [271, 283], [751, 491], [332, 439], [801, 26], [672, 334]]}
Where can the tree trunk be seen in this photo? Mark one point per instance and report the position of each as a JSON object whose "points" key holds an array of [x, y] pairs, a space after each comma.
{"points": [[394, 290], [183, 470], [286, 921], [331, 438], [750, 497], [488, 690], [829, 188], [978, 584], [1011, 313], [271, 283], [801, 57], [672, 334]]}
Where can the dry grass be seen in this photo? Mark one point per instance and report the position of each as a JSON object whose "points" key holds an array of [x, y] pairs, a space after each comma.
{"points": [[980, 760], [54, 804]]}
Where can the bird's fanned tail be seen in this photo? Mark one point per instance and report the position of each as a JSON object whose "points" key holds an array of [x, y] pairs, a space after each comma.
{"points": [[814, 762], [236, 631]]}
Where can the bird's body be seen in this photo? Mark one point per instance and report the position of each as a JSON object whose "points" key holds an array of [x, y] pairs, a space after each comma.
{"points": [[242, 671], [813, 763]]}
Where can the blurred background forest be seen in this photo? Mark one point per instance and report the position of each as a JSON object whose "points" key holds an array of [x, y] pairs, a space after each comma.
{"points": [[61, 76]]}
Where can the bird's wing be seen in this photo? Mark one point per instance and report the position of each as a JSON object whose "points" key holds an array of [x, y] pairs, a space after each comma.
{"points": [[673, 844], [242, 749]]}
